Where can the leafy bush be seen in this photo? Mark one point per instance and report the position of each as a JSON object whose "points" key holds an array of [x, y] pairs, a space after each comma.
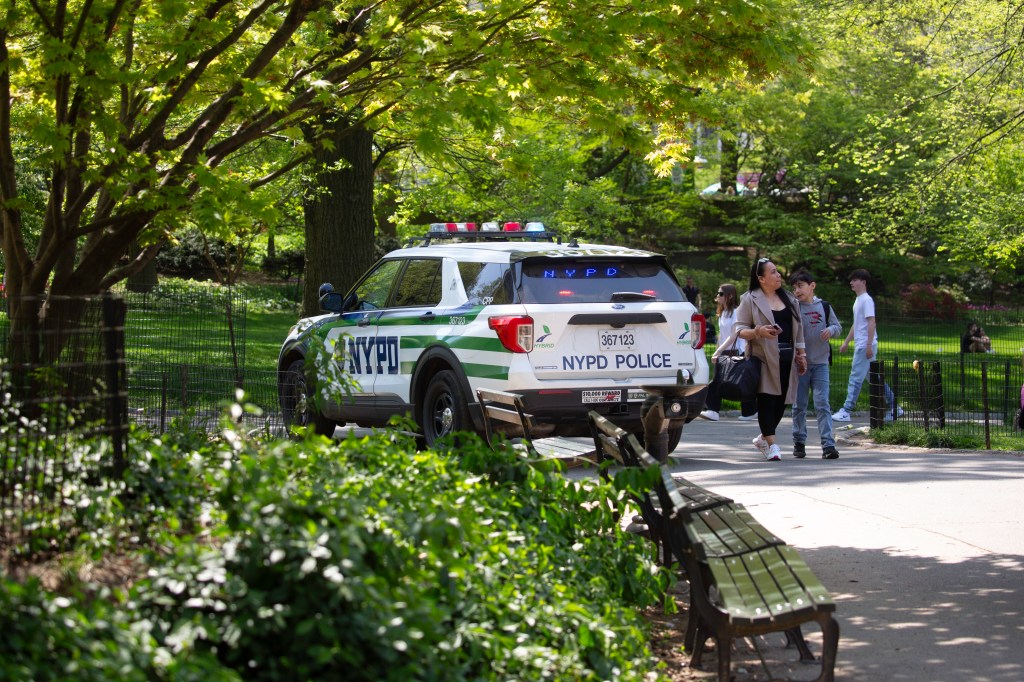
{"points": [[927, 301], [357, 560], [49, 637], [187, 257]]}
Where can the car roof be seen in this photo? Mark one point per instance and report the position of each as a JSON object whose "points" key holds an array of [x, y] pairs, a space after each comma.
{"points": [[513, 251]]}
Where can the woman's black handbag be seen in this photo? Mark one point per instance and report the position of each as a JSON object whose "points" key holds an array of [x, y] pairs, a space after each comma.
{"points": [[738, 377]]}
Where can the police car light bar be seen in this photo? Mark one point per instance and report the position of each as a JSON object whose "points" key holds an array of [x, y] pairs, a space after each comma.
{"points": [[489, 231], [453, 227]]}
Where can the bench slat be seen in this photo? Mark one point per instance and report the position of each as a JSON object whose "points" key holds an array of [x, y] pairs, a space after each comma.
{"points": [[781, 593], [726, 530]]}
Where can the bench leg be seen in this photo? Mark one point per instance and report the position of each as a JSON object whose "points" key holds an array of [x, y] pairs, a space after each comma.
{"points": [[696, 639], [724, 646], [795, 637], [829, 647]]}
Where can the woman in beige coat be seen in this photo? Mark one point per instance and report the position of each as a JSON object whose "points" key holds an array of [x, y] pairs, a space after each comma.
{"points": [[769, 320]]}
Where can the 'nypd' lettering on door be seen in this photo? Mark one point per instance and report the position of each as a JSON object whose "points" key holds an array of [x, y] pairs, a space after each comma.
{"points": [[372, 354]]}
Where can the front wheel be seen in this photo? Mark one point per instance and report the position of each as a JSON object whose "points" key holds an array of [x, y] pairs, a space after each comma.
{"points": [[444, 407], [296, 399]]}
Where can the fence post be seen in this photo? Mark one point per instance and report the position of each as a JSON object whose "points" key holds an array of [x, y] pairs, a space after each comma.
{"points": [[922, 389], [876, 395], [117, 407], [984, 404], [894, 386], [1007, 410], [163, 400], [963, 382], [937, 393], [183, 373]]}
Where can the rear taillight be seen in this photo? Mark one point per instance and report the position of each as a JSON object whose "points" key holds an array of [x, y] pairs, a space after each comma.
{"points": [[698, 327], [514, 331]]}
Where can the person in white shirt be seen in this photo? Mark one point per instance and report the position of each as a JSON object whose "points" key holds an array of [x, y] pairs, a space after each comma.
{"points": [[726, 299], [864, 335]]}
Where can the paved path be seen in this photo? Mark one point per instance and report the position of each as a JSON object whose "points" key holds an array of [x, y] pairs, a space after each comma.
{"points": [[922, 549]]}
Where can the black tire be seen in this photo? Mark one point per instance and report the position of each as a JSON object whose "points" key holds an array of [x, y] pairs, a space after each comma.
{"points": [[297, 402], [444, 407], [675, 434]]}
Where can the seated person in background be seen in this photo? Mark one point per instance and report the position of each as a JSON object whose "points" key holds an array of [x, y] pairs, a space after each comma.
{"points": [[974, 340]]}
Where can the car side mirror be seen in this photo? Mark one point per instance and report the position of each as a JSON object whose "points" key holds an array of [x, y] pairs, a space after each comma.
{"points": [[332, 302]]}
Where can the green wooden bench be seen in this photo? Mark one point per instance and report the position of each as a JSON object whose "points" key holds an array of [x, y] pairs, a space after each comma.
{"points": [[504, 413], [744, 580]]}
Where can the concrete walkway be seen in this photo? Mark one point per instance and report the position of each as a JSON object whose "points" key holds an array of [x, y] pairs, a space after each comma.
{"points": [[922, 549]]}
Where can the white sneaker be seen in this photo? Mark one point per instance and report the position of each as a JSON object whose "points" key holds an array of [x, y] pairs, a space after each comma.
{"points": [[899, 411], [762, 445], [841, 415], [709, 415], [748, 418], [774, 453]]}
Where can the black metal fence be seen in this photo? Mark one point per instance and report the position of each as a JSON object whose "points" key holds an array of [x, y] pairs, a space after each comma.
{"points": [[63, 383], [186, 360], [936, 385]]}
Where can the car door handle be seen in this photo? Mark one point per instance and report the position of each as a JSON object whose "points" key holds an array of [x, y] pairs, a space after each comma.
{"points": [[426, 317], [364, 321]]}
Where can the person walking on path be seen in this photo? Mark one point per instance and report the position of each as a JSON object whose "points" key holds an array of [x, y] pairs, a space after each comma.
{"points": [[864, 335], [726, 299], [820, 324], [769, 319]]}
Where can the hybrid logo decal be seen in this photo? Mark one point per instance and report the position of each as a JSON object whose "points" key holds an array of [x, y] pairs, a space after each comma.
{"points": [[372, 355], [539, 342], [684, 338]]}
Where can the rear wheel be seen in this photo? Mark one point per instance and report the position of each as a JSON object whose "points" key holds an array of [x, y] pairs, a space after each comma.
{"points": [[444, 407], [297, 401], [675, 434]]}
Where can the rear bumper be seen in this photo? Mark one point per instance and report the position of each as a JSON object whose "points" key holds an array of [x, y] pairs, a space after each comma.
{"points": [[565, 411]]}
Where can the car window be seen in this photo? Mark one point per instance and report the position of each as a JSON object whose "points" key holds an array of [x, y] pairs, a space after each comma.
{"points": [[487, 283], [374, 289], [595, 281], [420, 284]]}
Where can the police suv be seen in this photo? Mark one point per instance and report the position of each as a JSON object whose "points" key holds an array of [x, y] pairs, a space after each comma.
{"points": [[570, 327]]}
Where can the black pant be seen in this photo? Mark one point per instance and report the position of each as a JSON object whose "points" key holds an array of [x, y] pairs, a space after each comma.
{"points": [[771, 408]]}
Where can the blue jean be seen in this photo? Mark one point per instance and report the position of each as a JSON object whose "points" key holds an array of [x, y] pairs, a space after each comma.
{"points": [[816, 381], [858, 373]]}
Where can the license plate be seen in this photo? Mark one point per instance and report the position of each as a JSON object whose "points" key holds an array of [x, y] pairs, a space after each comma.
{"points": [[616, 339], [613, 396]]}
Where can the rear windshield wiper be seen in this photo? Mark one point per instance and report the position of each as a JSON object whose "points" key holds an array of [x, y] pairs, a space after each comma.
{"points": [[632, 296]]}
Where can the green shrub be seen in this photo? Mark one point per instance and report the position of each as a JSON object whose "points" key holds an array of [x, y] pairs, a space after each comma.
{"points": [[50, 637], [365, 559]]}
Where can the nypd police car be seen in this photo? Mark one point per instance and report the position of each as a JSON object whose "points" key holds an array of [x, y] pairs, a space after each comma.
{"points": [[570, 327]]}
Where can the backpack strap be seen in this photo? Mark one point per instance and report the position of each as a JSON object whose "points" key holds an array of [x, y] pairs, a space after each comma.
{"points": [[828, 315]]}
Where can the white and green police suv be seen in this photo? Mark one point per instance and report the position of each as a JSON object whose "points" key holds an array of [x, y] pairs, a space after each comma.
{"points": [[571, 327]]}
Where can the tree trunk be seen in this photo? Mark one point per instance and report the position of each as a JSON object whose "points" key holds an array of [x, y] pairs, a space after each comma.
{"points": [[145, 280], [730, 163], [339, 215]]}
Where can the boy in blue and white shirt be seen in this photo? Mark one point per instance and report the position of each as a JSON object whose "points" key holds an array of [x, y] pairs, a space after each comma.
{"points": [[820, 324]]}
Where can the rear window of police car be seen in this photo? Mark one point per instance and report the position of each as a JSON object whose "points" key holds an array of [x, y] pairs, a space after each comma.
{"points": [[594, 281]]}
